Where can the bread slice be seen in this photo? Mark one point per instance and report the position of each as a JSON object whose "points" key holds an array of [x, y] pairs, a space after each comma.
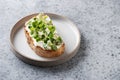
{"points": [[42, 52]]}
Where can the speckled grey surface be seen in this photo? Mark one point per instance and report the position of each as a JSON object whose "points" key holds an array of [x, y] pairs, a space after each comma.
{"points": [[99, 55]]}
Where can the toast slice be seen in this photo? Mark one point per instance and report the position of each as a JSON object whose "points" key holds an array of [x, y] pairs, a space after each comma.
{"points": [[54, 49]]}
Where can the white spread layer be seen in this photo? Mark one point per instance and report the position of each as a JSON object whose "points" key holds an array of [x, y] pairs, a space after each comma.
{"points": [[41, 43]]}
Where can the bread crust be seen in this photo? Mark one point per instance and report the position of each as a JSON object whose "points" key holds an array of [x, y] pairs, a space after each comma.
{"points": [[40, 51]]}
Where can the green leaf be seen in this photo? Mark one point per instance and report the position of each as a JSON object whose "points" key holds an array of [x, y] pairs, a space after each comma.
{"points": [[36, 36], [51, 28], [53, 47], [59, 39], [34, 24], [45, 41], [37, 39], [32, 32], [43, 36], [40, 21], [50, 35], [32, 28]]}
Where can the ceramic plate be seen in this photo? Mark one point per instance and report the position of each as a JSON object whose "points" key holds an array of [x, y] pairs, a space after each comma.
{"points": [[66, 29]]}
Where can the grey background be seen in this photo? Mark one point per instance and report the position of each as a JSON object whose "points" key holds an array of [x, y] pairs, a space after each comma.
{"points": [[99, 55]]}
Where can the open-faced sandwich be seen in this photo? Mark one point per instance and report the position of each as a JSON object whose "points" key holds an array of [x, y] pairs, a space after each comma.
{"points": [[42, 36]]}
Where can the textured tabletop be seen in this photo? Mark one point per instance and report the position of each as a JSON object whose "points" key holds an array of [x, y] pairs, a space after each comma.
{"points": [[99, 55]]}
